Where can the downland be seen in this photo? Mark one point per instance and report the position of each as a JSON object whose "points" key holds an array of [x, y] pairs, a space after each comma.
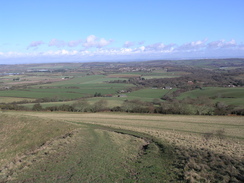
{"points": [[118, 147], [155, 121]]}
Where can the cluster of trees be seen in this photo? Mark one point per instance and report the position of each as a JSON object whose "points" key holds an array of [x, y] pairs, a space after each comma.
{"points": [[119, 81], [79, 106], [40, 100], [193, 106], [4, 106], [97, 94], [188, 106]]}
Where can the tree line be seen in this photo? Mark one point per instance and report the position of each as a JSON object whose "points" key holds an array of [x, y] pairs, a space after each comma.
{"points": [[187, 106]]}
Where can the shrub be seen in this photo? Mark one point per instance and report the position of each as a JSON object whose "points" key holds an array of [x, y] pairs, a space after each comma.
{"points": [[37, 107]]}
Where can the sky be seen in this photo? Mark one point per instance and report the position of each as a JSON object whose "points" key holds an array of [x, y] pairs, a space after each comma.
{"points": [[128, 30]]}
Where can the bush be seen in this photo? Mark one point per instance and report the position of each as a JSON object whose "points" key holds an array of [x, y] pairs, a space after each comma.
{"points": [[137, 106], [99, 106], [37, 107]]}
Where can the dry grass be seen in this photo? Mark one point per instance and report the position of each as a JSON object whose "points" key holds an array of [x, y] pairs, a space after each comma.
{"points": [[81, 155], [19, 134], [233, 125], [209, 148], [187, 131], [29, 158]]}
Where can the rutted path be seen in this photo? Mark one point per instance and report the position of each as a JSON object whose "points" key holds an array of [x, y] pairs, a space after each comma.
{"points": [[93, 153]]}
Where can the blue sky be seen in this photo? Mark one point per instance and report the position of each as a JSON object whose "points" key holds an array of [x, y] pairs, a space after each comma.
{"points": [[104, 30]]}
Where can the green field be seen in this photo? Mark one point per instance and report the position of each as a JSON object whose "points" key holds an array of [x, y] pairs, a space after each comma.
{"points": [[111, 101], [79, 81], [144, 94], [148, 94], [233, 96], [69, 89], [110, 147]]}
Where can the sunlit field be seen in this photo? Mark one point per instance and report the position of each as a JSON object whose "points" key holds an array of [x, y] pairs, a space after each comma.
{"points": [[121, 147]]}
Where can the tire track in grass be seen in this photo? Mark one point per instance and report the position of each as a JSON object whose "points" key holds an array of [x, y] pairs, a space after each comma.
{"points": [[91, 154], [155, 161]]}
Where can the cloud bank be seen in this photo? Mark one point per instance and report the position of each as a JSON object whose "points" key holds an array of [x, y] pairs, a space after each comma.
{"points": [[94, 49]]}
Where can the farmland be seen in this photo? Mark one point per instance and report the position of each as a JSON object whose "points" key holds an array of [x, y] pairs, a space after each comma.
{"points": [[154, 121], [150, 86], [69, 89]]}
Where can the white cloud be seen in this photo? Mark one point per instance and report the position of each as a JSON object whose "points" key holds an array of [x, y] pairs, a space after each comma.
{"points": [[222, 44], [103, 42], [59, 53], [192, 49], [159, 47], [142, 48], [90, 41], [93, 41], [192, 46]]}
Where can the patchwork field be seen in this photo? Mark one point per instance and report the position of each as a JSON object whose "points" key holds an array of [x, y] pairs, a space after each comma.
{"points": [[68, 89], [115, 147]]}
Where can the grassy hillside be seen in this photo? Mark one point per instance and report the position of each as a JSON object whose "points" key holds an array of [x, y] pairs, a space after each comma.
{"points": [[110, 147], [22, 134], [38, 149]]}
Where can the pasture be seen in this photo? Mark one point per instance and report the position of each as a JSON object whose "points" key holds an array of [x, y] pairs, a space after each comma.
{"points": [[148, 94], [232, 96]]}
